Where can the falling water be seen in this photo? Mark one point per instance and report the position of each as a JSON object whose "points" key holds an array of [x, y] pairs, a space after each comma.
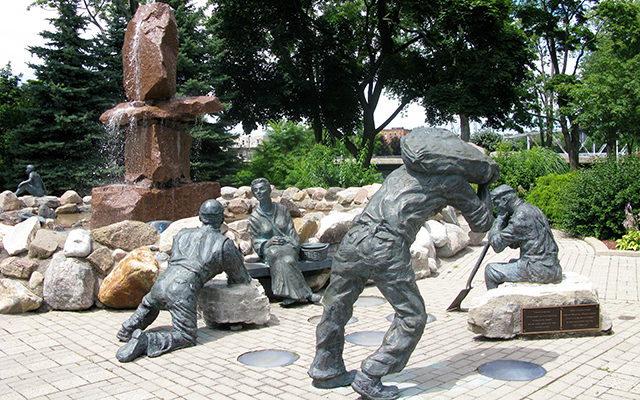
{"points": [[134, 59]]}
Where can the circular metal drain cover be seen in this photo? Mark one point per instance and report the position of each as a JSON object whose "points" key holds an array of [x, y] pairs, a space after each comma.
{"points": [[367, 338], [316, 320], [268, 358], [369, 301], [430, 318], [512, 370]]}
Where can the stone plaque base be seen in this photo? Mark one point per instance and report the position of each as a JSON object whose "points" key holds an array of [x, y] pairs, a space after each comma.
{"points": [[498, 313], [115, 203]]}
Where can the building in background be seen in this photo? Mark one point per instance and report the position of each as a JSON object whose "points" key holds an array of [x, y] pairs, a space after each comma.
{"points": [[389, 134], [245, 144]]}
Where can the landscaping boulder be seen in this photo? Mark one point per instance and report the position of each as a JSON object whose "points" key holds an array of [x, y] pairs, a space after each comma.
{"points": [[323, 206], [16, 267], [334, 226], [220, 303], [46, 212], [126, 235], [316, 193], [239, 207], [360, 197], [290, 193], [67, 209], [69, 284], [423, 254], [46, 242], [457, 239], [20, 236], [293, 208], [437, 231], [227, 192], [346, 196], [130, 280], [16, 299], [78, 243], [166, 238], [305, 227], [101, 258], [300, 196], [70, 197], [332, 193], [9, 201]]}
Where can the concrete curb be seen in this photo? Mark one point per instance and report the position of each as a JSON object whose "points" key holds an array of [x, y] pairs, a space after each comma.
{"points": [[602, 250]]}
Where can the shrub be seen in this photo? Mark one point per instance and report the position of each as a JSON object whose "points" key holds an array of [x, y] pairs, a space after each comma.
{"points": [[274, 157], [597, 198], [289, 158], [487, 139], [520, 169], [548, 195], [630, 241], [332, 166]]}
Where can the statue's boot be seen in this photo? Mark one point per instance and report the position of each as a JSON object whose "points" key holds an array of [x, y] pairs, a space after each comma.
{"points": [[135, 347], [371, 388], [124, 334], [344, 379], [314, 298]]}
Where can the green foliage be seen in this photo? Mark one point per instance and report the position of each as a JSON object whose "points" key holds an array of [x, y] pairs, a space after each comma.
{"points": [[596, 199], [487, 139], [330, 62], [630, 241], [609, 98], [212, 158], [548, 195], [333, 166], [519, 169], [290, 158], [12, 102], [275, 157]]}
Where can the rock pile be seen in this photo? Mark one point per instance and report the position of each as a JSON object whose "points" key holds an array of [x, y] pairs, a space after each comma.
{"points": [[44, 268]]}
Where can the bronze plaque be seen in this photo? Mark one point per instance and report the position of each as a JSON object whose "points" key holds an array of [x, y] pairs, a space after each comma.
{"points": [[572, 318]]}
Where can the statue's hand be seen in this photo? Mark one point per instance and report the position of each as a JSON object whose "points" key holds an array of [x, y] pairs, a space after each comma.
{"points": [[276, 240]]}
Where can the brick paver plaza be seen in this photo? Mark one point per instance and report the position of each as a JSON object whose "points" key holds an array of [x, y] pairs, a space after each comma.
{"points": [[71, 355]]}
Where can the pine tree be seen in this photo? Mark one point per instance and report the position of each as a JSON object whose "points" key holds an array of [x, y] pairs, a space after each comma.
{"points": [[61, 135]]}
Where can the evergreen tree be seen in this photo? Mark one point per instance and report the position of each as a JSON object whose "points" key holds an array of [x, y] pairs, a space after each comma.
{"points": [[62, 130], [12, 102]]}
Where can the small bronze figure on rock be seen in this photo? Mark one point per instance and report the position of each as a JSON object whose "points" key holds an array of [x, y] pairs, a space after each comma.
{"points": [[276, 241], [521, 225], [197, 255], [34, 185]]}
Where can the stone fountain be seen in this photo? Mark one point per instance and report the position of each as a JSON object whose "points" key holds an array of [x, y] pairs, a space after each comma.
{"points": [[157, 146]]}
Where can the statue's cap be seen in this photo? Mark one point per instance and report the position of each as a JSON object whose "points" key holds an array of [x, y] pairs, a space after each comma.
{"points": [[211, 207], [501, 191]]}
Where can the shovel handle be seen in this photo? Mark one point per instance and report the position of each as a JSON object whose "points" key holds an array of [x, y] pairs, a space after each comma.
{"points": [[478, 263]]}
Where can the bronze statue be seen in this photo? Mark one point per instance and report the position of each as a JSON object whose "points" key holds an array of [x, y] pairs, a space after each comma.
{"points": [[276, 241], [521, 225], [377, 248], [34, 185], [197, 255]]}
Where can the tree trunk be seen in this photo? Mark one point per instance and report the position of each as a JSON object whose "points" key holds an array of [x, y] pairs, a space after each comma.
{"points": [[465, 133], [572, 141]]}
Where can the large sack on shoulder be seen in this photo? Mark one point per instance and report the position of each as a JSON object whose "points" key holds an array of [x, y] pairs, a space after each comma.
{"points": [[436, 151]]}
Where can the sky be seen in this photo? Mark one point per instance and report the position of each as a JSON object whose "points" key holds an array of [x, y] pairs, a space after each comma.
{"points": [[20, 28]]}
